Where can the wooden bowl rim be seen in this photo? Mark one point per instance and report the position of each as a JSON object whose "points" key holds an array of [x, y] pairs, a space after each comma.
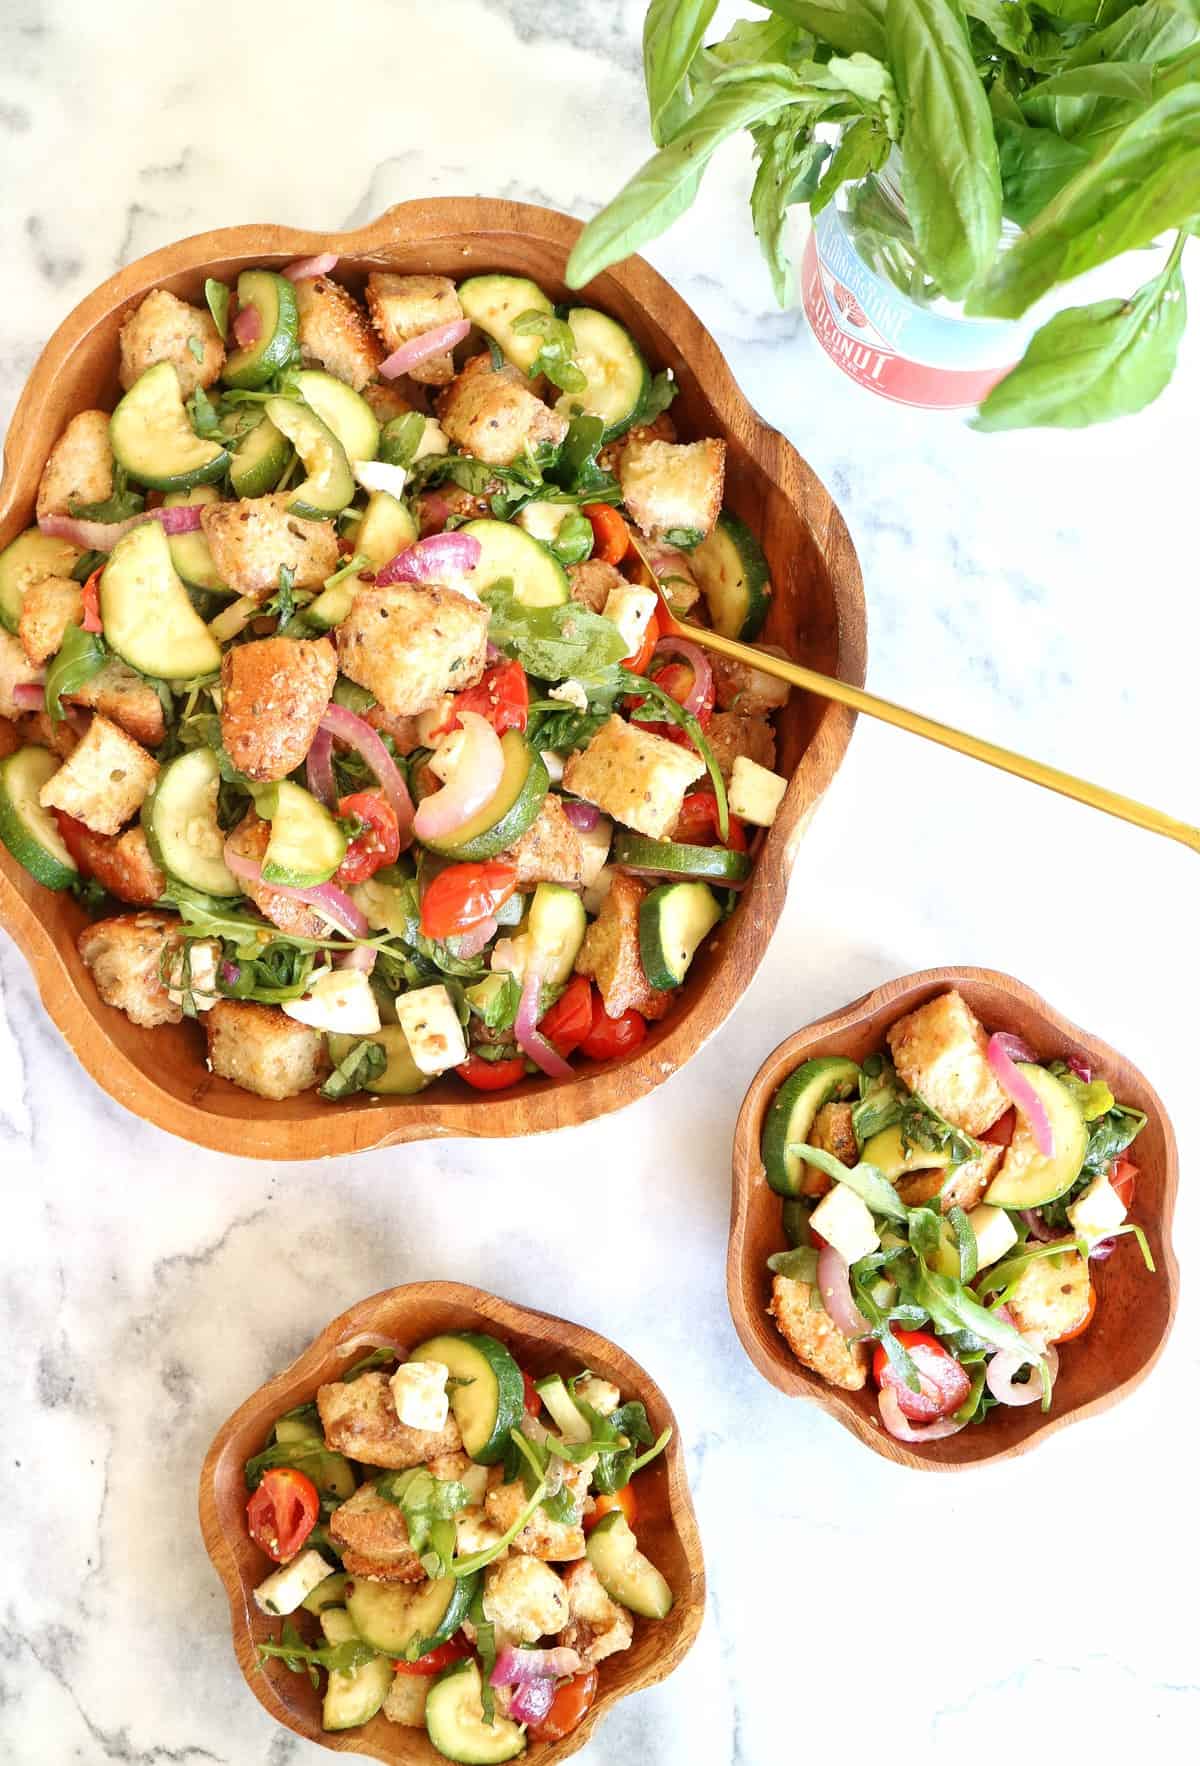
{"points": [[782, 1368], [358, 1127], [495, 1313]]}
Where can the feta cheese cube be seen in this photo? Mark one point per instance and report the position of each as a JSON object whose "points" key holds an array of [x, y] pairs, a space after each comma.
{"points": [[434, 440], [283, 1591], [1098, 1212], [571, 693], [338, 1000], [377, 475], [596, 893], [429, 1021], [994, 1232], [419, 1391], [844, 1220], [445, 758], [629, 607], [595, 843], [553, 762], [755, 792], [201, 976], [543, 520]]}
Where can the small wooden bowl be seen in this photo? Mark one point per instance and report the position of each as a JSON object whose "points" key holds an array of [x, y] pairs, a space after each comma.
{"points": [[1135, 1309], [817, 615], [666, 1524]]}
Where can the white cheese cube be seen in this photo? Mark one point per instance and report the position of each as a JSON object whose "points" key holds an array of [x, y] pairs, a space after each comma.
{"points": [[994, 1232], [429, 1021], [543, 520], [446, 756], [629, 607], [419, 1391], [377, 475], [755, 793], [434, 440], [571, 693], [337, 1000], [283, 1591], [511, 955], [1098, 1212], [553, 763], [201, 976], [844, 1220], [595, 843], [596, 893]]}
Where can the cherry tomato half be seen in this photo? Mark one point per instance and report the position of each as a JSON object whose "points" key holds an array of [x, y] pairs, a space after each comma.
{"points": [[613, 1036], [1085, 1321], [92, 621], [1000, 1133], [462, 895], [607, 1501], [572, 1702], [698, 823], [569, 1019], [436, 1659], [491, 1075], [77, 839], [1123, 1178], [610, 534], [283, 1512], [639, 663], [533, 1402], [377, 845], [945, 1383], [502, 697]]}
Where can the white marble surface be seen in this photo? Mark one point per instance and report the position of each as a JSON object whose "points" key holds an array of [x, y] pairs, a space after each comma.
{"points": [[1040, 590]]}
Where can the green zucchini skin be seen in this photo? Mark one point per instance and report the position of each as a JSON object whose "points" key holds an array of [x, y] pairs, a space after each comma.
{"points": [[824, 1080]]}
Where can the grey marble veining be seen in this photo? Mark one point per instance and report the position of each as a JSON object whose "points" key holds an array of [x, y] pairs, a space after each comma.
{"points": [[1039, 589]]}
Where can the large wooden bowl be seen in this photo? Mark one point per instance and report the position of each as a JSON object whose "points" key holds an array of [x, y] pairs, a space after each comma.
{"points": [[1134, 1312], [666, 1524], [818, 616]]}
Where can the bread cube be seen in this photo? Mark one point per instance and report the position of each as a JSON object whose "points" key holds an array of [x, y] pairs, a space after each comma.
{"points": [[252, 539], [51, 605], [274, 694], [125, 956], [673, 489], [812, 1336], [335, 333], [80, 466], [119, 693], [412, 642], [404, 307], [636, 777], [611, 953], [263, 1050], [105, 781], [16, 670], [940, 1051], [166, 329], [732, 736], [359, 1419], [491, 413]]}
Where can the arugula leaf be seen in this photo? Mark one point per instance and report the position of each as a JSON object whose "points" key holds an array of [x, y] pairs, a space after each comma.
{"points": [[881, 1100], [86, 565], [672, 35], [951, 1307], [553, 643], [799, 1264], [556, 355], [429, 1506], [921, 1126], [217, 296], [119, 505], [968, 1249], [363, 1063], [337, 1658], [400, 438], [308, 1456], [81, 657], [202, 414], [477, 1560], [485, 1648], [867, 1181], [663, 389], [646, 688], [498, 1010]]}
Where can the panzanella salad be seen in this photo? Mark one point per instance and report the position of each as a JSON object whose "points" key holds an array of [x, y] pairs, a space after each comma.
{"points": [[457, 1540], [335, 653], [945, 1203]]}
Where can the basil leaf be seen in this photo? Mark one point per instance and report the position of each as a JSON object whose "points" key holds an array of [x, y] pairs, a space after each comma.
{"points": [[1095, 363], [365, 1062], [80, 658], [850, 25], [400, 438], [672, 34], [1009, 24], [1035, 164], [799, 1265], [217, 296], [863, 148], [968, 1249], [951, 177], [865, 1180], [789, 164]]}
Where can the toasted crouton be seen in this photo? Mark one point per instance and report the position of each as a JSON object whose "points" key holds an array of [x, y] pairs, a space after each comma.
{"points": [[374, 1538], [833, 1132], [412, 642], [812, 1336], [35, 727], [165, 329], [662, 429], [105, 781], [1052, 1296], [611, 953], [125, 957], [250, 839], [10, 738], [730, 735], [748, 691], [335, 334], [490, 413], [274, 694], [253, 539], [525, 1599], [673, 487], [636, 777], [359, 1419], [80, 467], [435, 508], [940, 1051], [404, 731], [386, 399], [403, 307], [263, 1050], [405, 1702], [118, 692], [16, 670], [51, 605], [598, 1626], [960, 1186], [550, 851], [592, 582], [124, 864]]}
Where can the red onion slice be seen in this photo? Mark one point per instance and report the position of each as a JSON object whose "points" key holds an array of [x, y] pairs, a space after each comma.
{"points": [[702, 683], [1081, 1068], [833, 1280], [431, 559], [474, 780], [180, 518], [1004, 1366], [1002, 1051], [247, 327], [318, 769], [583, 816], [102, 536], [305, 268], [331, 903], [361, 957], [531, 1701], [419, 349], [529, 1038], [477, 938], [1037, 1226], [346, 726], [29, 696], [516, 1665], [898, 1425], [371, 1340]]}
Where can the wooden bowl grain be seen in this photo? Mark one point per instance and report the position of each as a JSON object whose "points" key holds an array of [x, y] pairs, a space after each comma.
{"points": [[1135, 1309], [666, 1525], [818, 616]]}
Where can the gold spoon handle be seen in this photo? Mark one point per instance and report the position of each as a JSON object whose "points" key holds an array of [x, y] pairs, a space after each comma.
{"points": [[1036, 771]]}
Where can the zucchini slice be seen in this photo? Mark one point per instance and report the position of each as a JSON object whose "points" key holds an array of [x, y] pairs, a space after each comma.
{"points": [[509, 553], [180, 822], [386, 528], [401, 1078], [625, 1573], [493, 302], [617, 376], [330, 483], [491, 1400], [306, 845], [569, 1420], [509, 812], [328, 1595], [279, 329], [354, 1698], [343, 410], [148, 619], [261, 460], [1028, 1178], [557, 924], [731, 570], [331, 1472], [454, 1720], [824, 1080], [678, 858], [153, 440], [409, 1619], [30, 556], [189, 551], [887, 1152], [672, 921], [29, 831]]}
